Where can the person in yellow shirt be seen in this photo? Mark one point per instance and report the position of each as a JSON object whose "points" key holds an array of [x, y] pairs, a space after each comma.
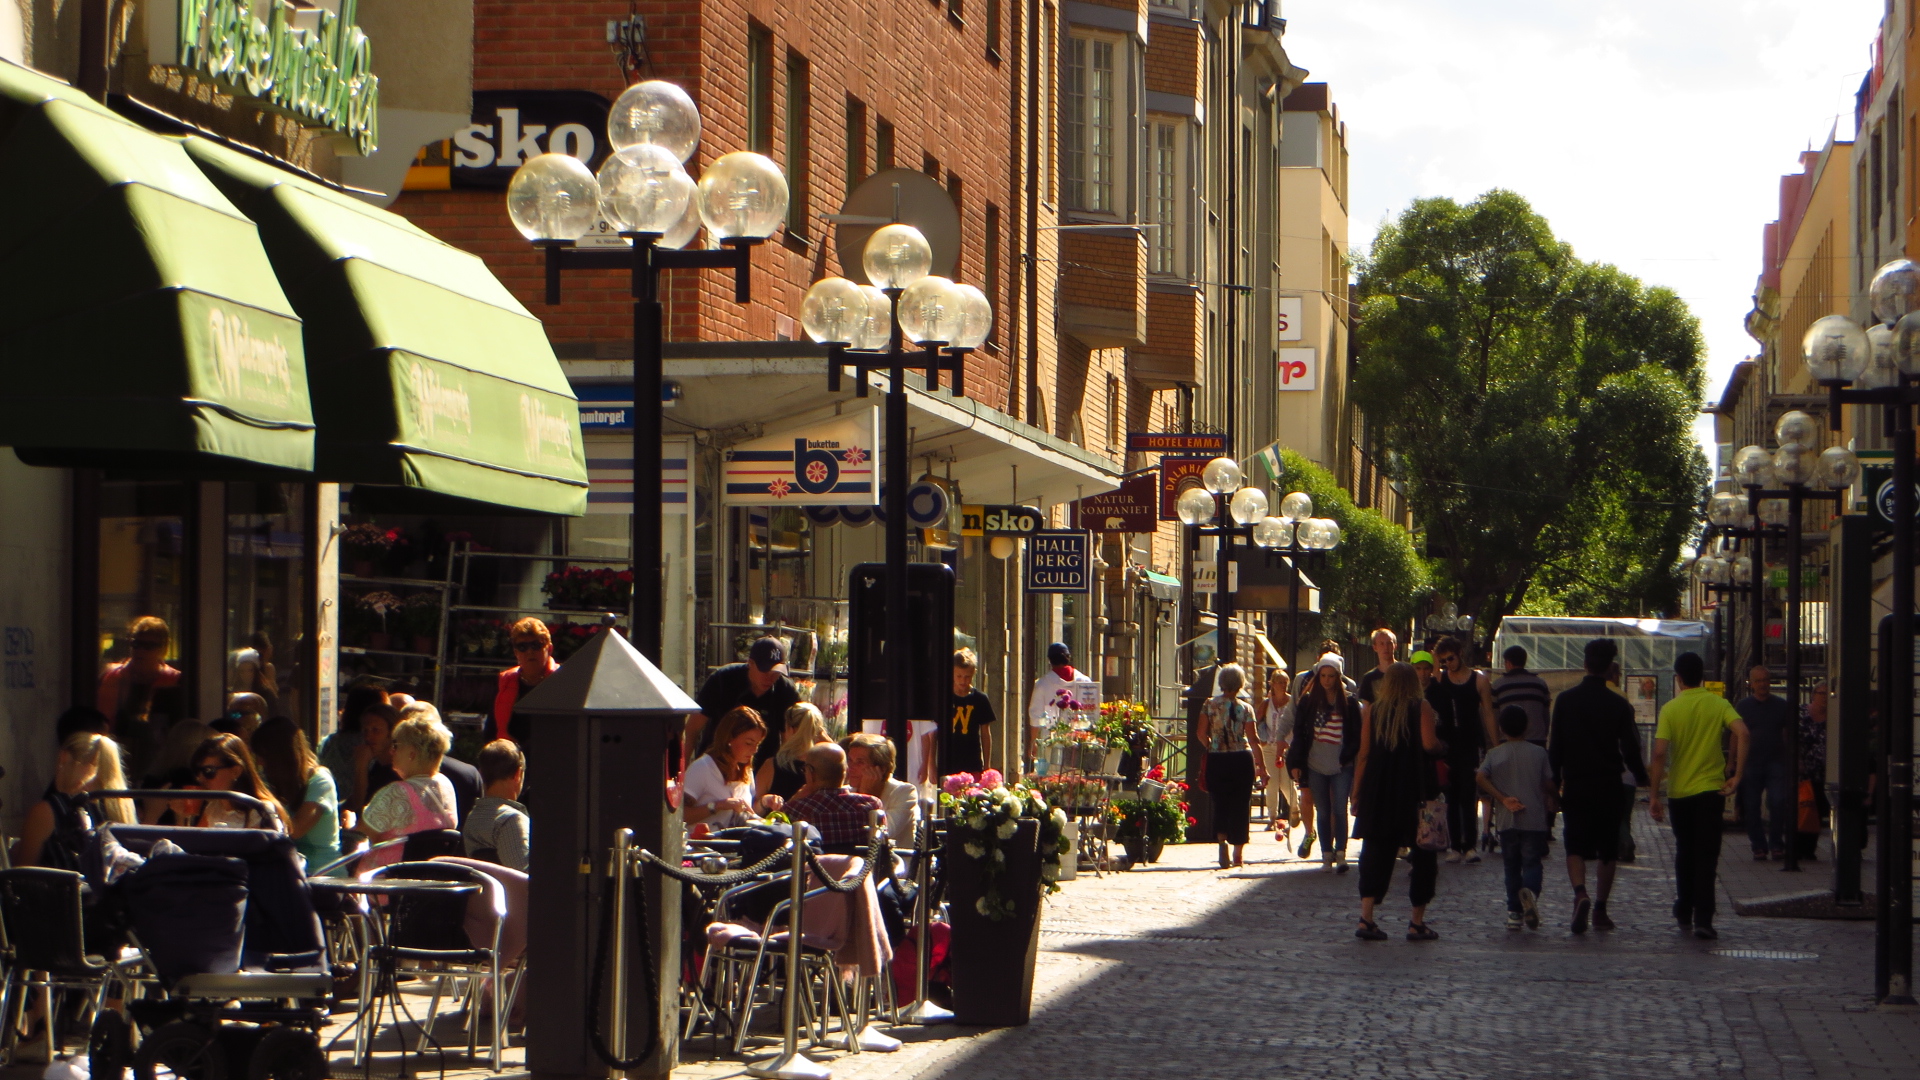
{"points": [[1689, 761]]}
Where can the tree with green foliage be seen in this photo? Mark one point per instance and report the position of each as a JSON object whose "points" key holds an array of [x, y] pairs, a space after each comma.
{"points": [[1538, 409], [1374, 577]]}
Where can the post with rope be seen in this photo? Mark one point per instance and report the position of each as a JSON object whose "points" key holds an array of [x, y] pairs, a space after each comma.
{"points": [[922, 1011], [604, 747]]}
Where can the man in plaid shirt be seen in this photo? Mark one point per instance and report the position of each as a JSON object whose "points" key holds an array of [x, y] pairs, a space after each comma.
{"points": [[839, 812]]}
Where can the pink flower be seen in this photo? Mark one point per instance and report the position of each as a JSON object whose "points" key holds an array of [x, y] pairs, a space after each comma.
{"points": [[991, 778], [976, 790], [957, 783]]}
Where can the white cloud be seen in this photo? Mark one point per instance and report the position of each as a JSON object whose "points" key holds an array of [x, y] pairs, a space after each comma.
{"points": [[1652, 134]]}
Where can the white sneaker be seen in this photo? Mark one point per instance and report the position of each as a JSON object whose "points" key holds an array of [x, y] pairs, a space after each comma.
{"points": [[1473, 856], [1326, 865], [1453, 856]]}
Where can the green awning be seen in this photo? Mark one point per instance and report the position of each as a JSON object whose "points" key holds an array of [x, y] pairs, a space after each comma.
{"points": [[425, 371], [142, 322]]}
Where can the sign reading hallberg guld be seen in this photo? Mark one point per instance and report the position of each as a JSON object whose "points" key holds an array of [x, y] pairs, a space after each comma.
{"points": [[1059, 561], [307, 63]]}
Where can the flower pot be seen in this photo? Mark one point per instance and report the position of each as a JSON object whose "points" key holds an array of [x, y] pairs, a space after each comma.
{"points": [[1154, 848], [422, 644], [1070, 862], [1136, 849], [379, 639], [992, 961]]}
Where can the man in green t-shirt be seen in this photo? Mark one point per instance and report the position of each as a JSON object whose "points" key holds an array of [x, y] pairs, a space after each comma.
{"points": [[1688, 758]]}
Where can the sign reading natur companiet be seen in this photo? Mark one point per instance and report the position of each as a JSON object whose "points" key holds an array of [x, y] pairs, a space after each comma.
{"points": [[308, 63]]}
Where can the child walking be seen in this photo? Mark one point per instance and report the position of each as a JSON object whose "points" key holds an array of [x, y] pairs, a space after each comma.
{"points": [[1517, 777]]}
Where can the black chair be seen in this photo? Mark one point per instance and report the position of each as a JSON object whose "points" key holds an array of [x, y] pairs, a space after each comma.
{"points": [[432, 844], [426, 935], [43, 942]]}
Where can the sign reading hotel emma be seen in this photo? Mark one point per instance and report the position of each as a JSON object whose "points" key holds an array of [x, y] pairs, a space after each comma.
{"points": [[306, 62]]}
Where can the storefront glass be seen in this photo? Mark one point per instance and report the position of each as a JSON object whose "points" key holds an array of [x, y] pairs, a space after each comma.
{"points": [[267, 587], [144, 566]]}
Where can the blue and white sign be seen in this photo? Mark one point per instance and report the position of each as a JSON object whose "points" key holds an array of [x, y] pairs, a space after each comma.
{"points": [[609, 406], [1060, 561], [828, 463], [610, 475]]}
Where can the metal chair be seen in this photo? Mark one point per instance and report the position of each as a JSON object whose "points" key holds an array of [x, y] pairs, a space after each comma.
{"points": [[427, 935], [43, 944]]}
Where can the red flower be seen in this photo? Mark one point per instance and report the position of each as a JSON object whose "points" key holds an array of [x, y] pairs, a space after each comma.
{"points": [[1193, 821], [1183, 808]]}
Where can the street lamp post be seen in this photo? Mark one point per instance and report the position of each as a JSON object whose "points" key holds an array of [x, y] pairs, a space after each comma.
{"points": [[644, 192], [1295, 531], [1777, 486], [1859, 367], [868, 327]]}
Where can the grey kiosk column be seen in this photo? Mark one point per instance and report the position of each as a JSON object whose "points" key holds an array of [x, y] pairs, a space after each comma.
{"points": [[603, 743]]}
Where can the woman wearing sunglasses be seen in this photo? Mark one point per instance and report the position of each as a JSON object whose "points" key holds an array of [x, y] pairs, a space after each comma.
{"points": [[533, 648], [223, 763]]}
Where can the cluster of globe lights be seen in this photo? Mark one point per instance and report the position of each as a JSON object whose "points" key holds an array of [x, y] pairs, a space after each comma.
{"points": [[898, 262], [1248, 506], [1793, 464], [643, 188]]}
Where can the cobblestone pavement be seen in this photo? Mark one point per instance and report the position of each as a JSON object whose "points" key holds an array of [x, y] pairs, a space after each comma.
{"points": [[1181, 969]]}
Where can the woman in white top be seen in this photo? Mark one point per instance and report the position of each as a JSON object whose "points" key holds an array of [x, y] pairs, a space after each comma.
{"points": [[718, 789], [223, 763]]}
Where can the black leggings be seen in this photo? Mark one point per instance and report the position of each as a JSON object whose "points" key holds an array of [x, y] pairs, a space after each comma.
{"points": [[1463, 804], [1376, 872]]}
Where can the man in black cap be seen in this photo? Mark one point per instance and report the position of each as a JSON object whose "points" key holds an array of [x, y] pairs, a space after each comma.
{"points": [[761, 684], [1045, 689]]}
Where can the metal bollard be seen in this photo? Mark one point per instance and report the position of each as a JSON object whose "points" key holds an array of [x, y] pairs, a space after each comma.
{"points": [[619, 868], [923, 1012], [856, 1034], [790, 1063]]}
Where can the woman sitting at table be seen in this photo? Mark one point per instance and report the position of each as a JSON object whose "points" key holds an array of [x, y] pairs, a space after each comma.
{"points": [[303, 785], [719, 787], [422, 799], [223, 763]]}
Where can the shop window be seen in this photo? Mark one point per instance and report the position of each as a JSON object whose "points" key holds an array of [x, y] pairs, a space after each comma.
{"points": [[145, 573], [267, 586], [759, 88]]}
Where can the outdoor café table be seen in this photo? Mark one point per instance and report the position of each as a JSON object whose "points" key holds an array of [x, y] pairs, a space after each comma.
{"points": [[392, 894]]}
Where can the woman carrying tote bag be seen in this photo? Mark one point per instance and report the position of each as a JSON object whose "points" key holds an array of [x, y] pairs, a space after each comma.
{"points": [[1393, 777]]}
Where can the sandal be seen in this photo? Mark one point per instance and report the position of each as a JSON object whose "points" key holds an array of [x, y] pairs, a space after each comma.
{"points": [[1420, 932], [1370, 931]]}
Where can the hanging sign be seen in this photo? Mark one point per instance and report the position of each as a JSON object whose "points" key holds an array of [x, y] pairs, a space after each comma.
{"points": [[610, 475], [1175, 442], [1133, 508], [1288, 322], [983, 520], [829, 463], [1177, 474], [1294, 369], [1059, 561], [1877, 482]]}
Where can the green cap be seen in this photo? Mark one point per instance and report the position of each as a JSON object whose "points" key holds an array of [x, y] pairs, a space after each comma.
{"points": [[1421, 657]]}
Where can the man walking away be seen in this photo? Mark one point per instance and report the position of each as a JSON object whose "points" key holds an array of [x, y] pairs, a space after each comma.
{"points": [[1594, 742], [1516, 776], [1041, 712], [1688, 760], [1768, 773], [1525, 689]]}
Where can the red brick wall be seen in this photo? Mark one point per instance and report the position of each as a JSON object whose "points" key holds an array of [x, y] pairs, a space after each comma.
{"points": [[910, 64], [1173, 59]]}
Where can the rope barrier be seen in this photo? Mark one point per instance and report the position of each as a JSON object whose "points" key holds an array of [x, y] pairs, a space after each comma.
{"points": [[872, 857], [694, 877]]}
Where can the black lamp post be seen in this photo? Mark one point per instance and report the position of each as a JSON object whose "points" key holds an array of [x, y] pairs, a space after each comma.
{"points": [[1885, 362], [644, 194], [869, 328]]}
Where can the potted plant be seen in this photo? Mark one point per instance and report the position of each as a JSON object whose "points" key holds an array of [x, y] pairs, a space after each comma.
{"points": [[1146, 825], [366, 545], [420, 613], [1003, 852], [580, 588], [380, 603]]}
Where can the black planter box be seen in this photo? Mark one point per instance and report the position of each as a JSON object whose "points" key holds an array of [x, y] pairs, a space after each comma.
{"points": [[991, 962]]}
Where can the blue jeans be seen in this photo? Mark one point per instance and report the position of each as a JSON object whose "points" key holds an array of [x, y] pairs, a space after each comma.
{"points": [[1330, 795], [1767, 778], [1523, 849]]}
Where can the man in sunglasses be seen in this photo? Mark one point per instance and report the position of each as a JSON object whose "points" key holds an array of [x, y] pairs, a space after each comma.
{"points": [[533, 647]]}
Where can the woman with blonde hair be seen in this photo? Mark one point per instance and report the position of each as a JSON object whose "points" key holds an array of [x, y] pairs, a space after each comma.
{"points": [[55, 832], [422, 799], [1393, 775], [781, 774], [718, 789]]}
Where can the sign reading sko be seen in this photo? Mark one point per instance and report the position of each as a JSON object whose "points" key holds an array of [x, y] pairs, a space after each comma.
{"points": [[511, 126], [1059, 561], [829, 463]]}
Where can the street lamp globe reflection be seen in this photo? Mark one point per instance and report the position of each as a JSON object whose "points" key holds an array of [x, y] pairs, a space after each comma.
{"points": [[1884, 371], [685, 228], [1272, 532], [1773, 511], [1837, 468], [1793, 463], [1329, 533], [1194, 507], [1248, 505], [1297, 506], [1742, 573], [834, 311], [1797, 427], [976, 318], [875, 332], [743, 194], [1222, 475], [553, 197], [1753, 467], [896, 256], [655, 113], [1895, 291], [931, 310], [644, 189], [1725, 508], [1836, 348]]}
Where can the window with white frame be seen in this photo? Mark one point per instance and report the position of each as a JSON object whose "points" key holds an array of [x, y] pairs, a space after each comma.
{"points": [[1163, 197], [1089, 95]]}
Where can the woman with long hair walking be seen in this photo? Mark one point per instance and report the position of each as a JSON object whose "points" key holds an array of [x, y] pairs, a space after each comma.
{"points": [[1326, 740], [1393, 775], [1227, 731]]}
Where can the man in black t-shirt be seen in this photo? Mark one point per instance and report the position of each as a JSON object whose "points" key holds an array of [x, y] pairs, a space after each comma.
{"points": [[964, 741], [1384, 644], [761, 684]]}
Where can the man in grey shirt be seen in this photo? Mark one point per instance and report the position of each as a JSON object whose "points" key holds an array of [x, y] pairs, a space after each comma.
{"points": [[1519, 780]]}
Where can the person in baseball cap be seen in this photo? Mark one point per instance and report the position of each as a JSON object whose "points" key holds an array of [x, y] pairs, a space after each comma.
{"points": [[760, 684]]}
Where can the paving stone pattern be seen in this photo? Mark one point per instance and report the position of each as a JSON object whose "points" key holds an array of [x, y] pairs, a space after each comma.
{"points": [[1182, 970]]}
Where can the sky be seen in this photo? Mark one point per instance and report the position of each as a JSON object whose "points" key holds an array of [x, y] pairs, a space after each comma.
{"points": [[1651, 134]]}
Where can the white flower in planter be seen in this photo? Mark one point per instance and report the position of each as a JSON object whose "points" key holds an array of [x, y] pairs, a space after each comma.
{"points": [[1049, 871], [978, 851], [1007, 829]]}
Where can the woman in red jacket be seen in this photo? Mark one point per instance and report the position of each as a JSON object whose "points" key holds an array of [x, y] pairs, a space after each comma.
{"points": [[533, 647]]}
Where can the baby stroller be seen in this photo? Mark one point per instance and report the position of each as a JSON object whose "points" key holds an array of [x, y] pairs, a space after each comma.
{"points": [[224, 920]]}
